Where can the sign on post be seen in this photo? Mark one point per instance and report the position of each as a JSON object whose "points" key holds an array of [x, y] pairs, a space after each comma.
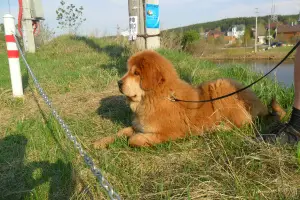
{"points": [[133, 27], [152, 16]]}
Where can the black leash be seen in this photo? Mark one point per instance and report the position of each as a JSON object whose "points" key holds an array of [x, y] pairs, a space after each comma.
{"points": [[174, 99]]}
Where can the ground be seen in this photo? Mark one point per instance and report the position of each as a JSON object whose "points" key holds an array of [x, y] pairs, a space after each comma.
{"points": [[37, 161]]}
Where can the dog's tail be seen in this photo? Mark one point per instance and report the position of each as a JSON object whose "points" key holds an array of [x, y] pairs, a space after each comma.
{"points": [[277, 109]]}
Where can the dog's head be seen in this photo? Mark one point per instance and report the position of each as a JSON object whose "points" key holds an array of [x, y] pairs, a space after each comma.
{"points": [[147, 71]]}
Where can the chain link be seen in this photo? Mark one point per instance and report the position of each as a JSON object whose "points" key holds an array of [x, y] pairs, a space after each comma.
{"points": [[88, 160]]}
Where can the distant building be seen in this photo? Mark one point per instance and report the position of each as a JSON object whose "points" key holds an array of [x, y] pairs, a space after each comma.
{"points": [[273, 25], [289, 32], [237, 31], [262, 39], [229, 39], [214, 33]]}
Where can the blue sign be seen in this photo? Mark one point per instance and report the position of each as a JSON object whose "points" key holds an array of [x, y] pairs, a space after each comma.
{"points": [[152, 16]]}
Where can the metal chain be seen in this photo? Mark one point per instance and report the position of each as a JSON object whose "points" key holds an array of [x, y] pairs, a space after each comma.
{"points": [[88, 160]]}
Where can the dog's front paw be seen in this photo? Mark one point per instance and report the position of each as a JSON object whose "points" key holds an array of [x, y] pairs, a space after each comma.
{"points": [[125, 132], [103, 143]]}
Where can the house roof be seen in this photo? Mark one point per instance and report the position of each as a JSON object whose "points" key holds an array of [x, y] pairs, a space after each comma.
{"points": [[288, 28], [273, 25], [240, 27], [215, 32]]}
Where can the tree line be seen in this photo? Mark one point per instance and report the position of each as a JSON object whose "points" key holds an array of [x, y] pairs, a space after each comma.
{"points": [[225, 25]]}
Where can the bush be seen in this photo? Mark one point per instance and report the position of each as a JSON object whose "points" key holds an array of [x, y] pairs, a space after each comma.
{"points": [[44, 36], [220, 40], [198, 48], [189, 37], [171, 40]]}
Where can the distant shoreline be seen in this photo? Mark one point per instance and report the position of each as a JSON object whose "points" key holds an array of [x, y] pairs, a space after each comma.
{"points": [[236, 54], [245, 57]]}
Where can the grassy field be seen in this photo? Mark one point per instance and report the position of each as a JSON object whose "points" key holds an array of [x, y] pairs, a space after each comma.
{"points": [[207, 51], [79, 74]]}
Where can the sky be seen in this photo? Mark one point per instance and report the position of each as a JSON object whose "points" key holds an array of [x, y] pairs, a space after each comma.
{"points": [[103, 16]]}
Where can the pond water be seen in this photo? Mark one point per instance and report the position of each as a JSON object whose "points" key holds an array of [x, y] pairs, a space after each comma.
{"points": [[284, 73]]}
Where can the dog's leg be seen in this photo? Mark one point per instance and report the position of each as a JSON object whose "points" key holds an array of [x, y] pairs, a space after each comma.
{"points": [[277, 109], [146, 139], [104, 142]]}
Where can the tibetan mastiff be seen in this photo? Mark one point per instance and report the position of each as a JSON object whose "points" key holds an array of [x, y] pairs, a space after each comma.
{"points": [[150, 84]]}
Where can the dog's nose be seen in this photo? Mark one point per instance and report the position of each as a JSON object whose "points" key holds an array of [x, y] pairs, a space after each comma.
{"points": [[120, 83]]}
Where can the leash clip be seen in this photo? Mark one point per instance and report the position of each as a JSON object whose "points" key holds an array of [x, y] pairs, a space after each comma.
{"points": [[171, 97]]}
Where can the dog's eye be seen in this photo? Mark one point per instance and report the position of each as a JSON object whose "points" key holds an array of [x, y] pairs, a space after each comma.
{"points": [[136, 73]]}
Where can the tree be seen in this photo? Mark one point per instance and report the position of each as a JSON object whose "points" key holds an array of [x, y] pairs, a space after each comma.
{"points": [[69, 17], [218, 29], [247, 35], [261, 30], [189, 37], [272, 35], [201, 31]]}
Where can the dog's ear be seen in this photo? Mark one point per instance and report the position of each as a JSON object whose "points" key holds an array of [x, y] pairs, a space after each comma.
{"points": [[151, 77]]}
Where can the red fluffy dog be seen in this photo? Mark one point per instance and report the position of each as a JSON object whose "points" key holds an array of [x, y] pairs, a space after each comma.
{"points": [[148, 85]]}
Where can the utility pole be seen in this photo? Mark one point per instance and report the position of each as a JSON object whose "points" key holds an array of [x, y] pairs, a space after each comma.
{"points": [[148, 24], [256, 29], [136, 12], [118, 31], [28, 37]]}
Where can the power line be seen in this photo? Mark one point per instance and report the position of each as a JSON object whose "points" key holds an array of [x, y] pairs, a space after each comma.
{"points": [[274, 17]]}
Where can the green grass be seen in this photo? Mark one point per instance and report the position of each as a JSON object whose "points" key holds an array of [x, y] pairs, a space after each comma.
{"points": [[38, 162]]}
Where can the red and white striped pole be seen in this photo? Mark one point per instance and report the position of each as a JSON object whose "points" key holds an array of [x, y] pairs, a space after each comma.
{"points": [[13, 56]]}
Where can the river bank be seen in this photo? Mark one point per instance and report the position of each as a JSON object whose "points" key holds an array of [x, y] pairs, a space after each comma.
{"points": [[246, 54]]}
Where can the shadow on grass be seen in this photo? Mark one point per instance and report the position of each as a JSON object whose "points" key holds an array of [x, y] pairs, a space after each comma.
{"points": [[114, 51], [18, 180], [117, 53], [116, 109], [25, 79]]}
